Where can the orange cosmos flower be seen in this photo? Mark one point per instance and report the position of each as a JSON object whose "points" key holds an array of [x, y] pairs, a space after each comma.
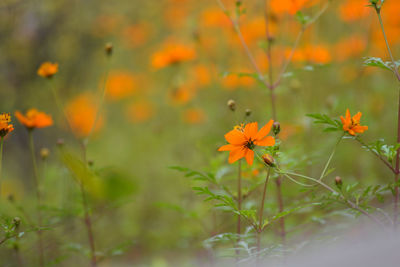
{"points": [[47, 69], [352, 124], [34, 119], [121, 84], [82, 113], [5, 126], [242, 141], [172, 53]]}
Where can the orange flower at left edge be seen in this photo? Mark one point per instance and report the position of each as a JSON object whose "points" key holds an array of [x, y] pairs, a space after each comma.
{"points": [[34, 119], [5, 126], [47, 69], [243, 140], [352, 124]]}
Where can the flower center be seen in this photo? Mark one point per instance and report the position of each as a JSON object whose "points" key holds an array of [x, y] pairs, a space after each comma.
{"points": [[250, 144]]}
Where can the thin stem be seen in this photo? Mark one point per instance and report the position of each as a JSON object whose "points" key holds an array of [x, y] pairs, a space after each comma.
{"points": [[261, 213], [88, 222], [1, 159], [38, 196], [377, 154], [395, 70], [239, 200], [330, 158], [397, 170], [100, 105], [347, 201]]}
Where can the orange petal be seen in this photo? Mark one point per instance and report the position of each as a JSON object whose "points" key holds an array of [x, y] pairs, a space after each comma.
{"points": [[250, 130], [348, 116], [267, 141], [360, 129], [235, 137], [249, 156], [357, 117], [227, 148], [236, 154], [264, 130]]}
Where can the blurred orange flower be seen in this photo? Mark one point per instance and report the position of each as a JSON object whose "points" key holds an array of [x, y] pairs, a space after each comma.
{"points": [[194, 116], [183, 94], [5, 126], [352, 124], [233, 81], [34, 119], [350, 47], [139, 112], [81, 112], [201, 74], [47, 69], [121, 84], [214, 17], [242, 141], [290, 6], [137, 34], [172, 53], [353, 10]]}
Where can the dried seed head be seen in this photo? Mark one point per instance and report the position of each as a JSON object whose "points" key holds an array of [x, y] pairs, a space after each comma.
{"points": [[231, 104], [276, 128], [109, 49], [44, 153], [248, 112], [269, 160]]}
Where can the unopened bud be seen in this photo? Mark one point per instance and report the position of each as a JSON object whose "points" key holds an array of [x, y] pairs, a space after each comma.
{"points": [[11, 198], [231, 104], [90, 163], [276, 128], [109, 49], [60, 142], [269, 160], [338, 182], [248, 112], [44, 153], [16, 221]]}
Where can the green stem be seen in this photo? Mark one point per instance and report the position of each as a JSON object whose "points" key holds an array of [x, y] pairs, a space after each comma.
{"points": [[239, 200], [330, 157], [38, 197], [340, 194], [88, 222], [1, 159], [260, 221], [397, 169]]}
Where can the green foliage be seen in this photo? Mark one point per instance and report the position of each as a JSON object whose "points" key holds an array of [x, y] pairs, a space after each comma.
{"points": [[378, 62], [385, 150], [303, 19], [331, 125]]}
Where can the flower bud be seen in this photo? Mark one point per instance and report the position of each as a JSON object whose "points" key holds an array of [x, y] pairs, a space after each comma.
{"points": [[60, 142], [248, 112], [338, 182], [231, 104], [109, 49], [90, 163], [269, 160], [16, 221], [276, 128], [44, 153]]}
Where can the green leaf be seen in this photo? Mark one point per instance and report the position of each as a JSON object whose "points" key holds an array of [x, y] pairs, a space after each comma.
{"points": [[378, 62], [82, 173]]}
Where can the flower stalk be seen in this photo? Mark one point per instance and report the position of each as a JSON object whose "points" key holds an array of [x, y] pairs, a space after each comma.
{"points": [[38, 197]]}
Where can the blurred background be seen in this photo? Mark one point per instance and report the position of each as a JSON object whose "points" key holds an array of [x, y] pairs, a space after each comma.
{"points": [[173, 68]]}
